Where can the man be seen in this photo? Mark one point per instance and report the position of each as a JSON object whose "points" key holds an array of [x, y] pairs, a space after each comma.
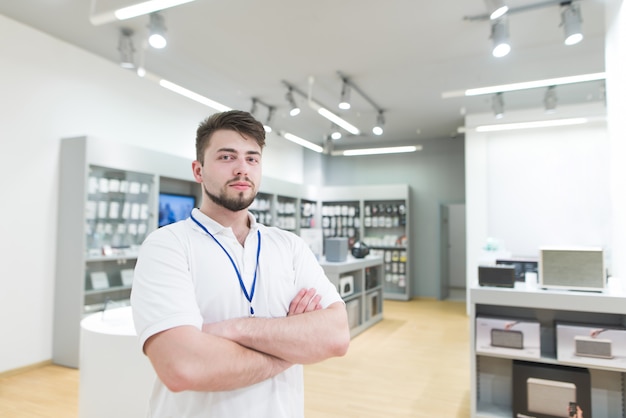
{"points": [[226, 309]]}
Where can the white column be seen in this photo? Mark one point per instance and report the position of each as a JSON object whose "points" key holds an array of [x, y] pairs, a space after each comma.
{"points": [[616, 106]]}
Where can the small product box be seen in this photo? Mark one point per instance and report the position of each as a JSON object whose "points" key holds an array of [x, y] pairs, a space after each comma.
{"points": [[508, 336], [591, 345]]}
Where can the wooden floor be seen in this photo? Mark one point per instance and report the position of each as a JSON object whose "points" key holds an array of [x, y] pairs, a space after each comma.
{"points": [[414, 363]]}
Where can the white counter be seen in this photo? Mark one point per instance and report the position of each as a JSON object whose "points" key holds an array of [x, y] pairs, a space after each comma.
{"points": [[116, 379]]}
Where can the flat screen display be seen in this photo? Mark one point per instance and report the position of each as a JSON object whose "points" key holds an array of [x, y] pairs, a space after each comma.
{"points": [[174, 207]]}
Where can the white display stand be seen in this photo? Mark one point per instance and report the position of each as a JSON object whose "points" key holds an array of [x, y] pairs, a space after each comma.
{"points": [[116, 379], [491, 374]]}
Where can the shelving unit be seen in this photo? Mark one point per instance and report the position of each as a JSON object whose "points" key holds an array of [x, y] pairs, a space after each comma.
{"points": [[108, 203], [342, 219], [365, 302], [378, 216], [286, 213], [491, 375], [385, 232]]}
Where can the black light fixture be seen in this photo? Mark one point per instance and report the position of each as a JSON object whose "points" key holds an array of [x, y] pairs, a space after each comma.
{"points": [[571, 22], [268, 121], [126, 49], [500, 37], [156, 37], [344, 103], [550, 99], [380, 122], [294, 110], [498, 105]]}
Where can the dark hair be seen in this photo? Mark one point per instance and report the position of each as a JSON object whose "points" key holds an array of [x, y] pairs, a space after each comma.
{"points": [[234, 120]]}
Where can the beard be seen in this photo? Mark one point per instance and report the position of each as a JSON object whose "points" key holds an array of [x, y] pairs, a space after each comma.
{"points": [[234, 204]]}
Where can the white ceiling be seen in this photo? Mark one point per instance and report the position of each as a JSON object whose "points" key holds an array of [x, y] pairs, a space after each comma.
{"points": [[403, 54]]}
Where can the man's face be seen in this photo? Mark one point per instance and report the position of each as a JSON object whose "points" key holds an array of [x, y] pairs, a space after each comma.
{"points": [[231, 172]]}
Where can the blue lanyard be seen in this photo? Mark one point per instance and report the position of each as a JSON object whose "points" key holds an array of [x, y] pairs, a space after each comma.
{"points": [[256, 269]]}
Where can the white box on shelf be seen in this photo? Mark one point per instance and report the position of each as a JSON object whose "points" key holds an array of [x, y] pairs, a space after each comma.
{"points": [[346, 286], [591, 345], [508, 336], [354, 313]]}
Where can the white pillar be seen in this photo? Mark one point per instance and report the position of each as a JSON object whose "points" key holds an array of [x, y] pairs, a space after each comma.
{"points": [[615, 52]]}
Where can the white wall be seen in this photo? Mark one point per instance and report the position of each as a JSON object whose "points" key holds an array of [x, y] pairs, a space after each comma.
{"points": [[537, 187], [50, 90], [578, 173]]}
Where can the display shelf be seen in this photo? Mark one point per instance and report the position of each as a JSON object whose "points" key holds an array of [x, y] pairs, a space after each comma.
{"points": [[286, 213], [364, 303], [307, 213], [108, 203], [262, 208], [341, 219], [491, 374]]}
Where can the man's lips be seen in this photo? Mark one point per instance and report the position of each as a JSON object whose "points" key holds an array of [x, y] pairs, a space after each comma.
{"points": [[240, 185]]}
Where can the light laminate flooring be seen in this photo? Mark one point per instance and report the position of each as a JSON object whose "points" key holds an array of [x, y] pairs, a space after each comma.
{"points": [[414, 363]]}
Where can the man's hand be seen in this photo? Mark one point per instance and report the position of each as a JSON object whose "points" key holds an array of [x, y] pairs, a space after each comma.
{"points": [[306, 300]]}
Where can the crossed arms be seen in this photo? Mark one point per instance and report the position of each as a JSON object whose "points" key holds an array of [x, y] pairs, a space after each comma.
{"points": [[239, 352]]}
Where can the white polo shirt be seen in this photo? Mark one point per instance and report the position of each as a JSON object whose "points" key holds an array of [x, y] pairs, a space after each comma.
{"points": [[183, 277]]}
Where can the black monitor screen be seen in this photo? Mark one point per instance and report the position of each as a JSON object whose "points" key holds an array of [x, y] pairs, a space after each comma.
{"points": [[174, 207]]}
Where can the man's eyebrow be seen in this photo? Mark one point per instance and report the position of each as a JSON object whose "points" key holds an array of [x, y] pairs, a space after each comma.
{"points": [[251, 152]]}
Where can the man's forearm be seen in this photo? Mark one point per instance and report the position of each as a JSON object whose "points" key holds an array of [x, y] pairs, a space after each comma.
{"points": [[186, 359], [306, 338]]}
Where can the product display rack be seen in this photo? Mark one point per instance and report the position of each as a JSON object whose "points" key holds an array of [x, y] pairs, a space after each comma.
{"points": [[108, 203], [360, 282], [382, 223], [342, 219], [308, 209], [286, 213], [491, 375], [385, 232]]}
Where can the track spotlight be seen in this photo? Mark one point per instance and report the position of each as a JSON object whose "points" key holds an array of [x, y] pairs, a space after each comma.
{"points": [[156, 38], [496, 8], [572, 23], [126, 49], [345, 96], [294, 110], [498, 105], [500, 37], [268, 121], [380, 122], [255, 106], [550, 99], [335, 133]]}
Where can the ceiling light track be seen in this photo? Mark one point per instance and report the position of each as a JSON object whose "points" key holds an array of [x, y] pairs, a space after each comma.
{"points": [[380, 119], [513, 10], [323, 110]]}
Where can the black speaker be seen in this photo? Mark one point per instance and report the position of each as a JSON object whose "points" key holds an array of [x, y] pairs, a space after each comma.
{"points": [[499, 276]]}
